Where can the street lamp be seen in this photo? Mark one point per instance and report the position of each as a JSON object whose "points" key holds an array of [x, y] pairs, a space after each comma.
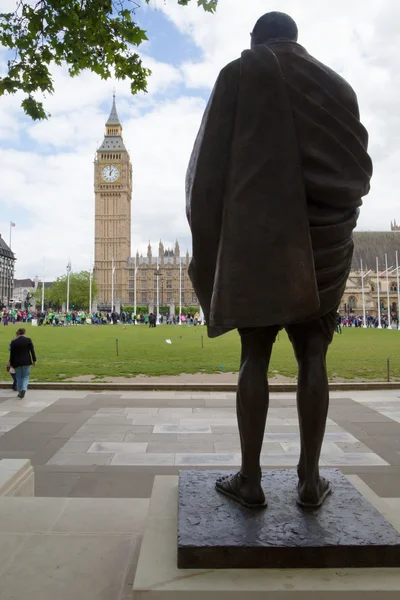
{"points": [[379, 295], [157, 274], [180, 290], [363, 293], [90, 286], [134, 294], [68, 274], [387, 290]]}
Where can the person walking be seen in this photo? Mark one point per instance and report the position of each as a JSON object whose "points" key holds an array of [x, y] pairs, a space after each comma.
{"points": [[22, 356]]}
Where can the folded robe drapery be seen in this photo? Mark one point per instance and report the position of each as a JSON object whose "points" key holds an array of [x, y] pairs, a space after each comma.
{"points": [[273, 189]]}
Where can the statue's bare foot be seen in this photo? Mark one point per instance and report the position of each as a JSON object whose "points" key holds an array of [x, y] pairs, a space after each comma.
{"points": [[313, 495], [242, 490]]}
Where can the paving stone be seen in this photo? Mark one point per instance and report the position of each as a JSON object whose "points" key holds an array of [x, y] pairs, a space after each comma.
{"points": [[143, 459], [173, 428], [86, 436], [70, 458], [112, 484], [9, 546], [45, 564], [120, 447], [55, 485], [153, 437], [384, 485], [21, 515], [100, 515], [205, 459], [187, 446]]}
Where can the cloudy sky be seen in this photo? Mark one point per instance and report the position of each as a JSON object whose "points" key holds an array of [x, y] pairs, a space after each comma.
{"points": [[46, 184]]}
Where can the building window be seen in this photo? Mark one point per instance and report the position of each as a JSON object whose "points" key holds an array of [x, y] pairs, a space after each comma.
{"points": [[393, 287], [169, 298], [352, 303], [131, 284], [169, 273], [169, 285], [144, 298]]}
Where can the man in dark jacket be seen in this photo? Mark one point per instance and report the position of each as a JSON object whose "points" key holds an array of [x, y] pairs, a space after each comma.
{"points": [[22, 356], [274, 187]]}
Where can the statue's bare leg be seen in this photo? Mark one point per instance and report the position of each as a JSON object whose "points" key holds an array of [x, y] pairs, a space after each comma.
{"points": [[310, 345], [252, 408]]}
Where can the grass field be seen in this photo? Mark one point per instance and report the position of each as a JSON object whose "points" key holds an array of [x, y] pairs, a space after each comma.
{"points": [[68, 352]]}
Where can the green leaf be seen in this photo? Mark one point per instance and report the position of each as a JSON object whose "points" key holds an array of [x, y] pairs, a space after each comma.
{"points": [[95, 35]]}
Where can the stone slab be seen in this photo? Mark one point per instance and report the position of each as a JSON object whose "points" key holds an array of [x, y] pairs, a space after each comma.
{"points": [[215, 532], [16, 477], [158, 577]]}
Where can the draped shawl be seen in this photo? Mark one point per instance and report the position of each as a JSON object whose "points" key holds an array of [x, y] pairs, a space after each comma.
{"points": [[273, 190]]}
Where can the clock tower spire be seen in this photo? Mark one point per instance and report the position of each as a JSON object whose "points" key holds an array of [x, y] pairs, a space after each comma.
{"points": [[113, 194]]}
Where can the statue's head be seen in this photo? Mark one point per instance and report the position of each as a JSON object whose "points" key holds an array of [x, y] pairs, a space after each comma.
{"points": [[274, 27]]}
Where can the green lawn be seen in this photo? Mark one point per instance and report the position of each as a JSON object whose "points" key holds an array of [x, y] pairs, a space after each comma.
{"points": [[66, 352]]}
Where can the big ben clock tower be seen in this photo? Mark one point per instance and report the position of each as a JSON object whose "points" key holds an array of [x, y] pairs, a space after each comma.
{"points": [[113, 193]]}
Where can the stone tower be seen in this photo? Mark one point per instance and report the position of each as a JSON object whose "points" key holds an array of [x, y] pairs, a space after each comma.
{"points": [[394, 226], [113, 194]]}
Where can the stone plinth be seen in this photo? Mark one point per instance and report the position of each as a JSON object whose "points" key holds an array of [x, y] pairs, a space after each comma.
{"points": [[16, 477], [214, 532], [158, 577]]}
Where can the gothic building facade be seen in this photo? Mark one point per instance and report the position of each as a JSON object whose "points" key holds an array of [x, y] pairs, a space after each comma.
{"points": [[7, 262], [160, 278]]}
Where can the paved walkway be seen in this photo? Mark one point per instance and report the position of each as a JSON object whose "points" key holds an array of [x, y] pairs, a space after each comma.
{"points": [[111, 445]]}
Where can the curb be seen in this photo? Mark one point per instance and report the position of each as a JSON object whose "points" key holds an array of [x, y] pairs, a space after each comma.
{"points": [[199, 387]]}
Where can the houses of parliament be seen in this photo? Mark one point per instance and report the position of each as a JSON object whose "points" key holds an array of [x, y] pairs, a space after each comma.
{"points": [[136, 278], [373, 281]]}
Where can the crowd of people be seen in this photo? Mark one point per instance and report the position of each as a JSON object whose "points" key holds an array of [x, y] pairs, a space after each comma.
{"points": [[354, 320], [81, 317]]}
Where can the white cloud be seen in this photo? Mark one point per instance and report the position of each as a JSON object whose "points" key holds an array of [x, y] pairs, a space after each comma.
{"points": [[360, 40], [48, 190]]}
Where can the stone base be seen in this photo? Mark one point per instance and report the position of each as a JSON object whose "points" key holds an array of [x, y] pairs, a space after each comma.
{"points": [[158, 578], [216, 532], [16, 477]]}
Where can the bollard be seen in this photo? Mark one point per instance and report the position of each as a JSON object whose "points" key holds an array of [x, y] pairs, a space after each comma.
{"points": [[388, 369], [116, 344]]}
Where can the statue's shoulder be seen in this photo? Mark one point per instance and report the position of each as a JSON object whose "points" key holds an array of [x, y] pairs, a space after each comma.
{"points": [[231, 69]]}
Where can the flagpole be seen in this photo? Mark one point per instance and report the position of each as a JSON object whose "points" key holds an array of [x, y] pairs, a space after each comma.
{"points": [[112, 286], [42, 294], [10, 235], [379, 295]]}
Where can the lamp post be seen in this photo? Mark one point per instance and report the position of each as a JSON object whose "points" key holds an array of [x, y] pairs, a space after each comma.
{"points": [[180, 290], [157, 274], [112, 284], [68, 275], [363, 294], [134, 292], [90, 287], [388, 294], [43, 294], [379, 295]]}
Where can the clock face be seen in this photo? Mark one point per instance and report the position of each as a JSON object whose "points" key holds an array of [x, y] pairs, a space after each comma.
{"points": [[110, 173]]}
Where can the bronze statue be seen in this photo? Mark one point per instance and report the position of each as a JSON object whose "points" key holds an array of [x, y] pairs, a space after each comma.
{"points": [[274, 187]]}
